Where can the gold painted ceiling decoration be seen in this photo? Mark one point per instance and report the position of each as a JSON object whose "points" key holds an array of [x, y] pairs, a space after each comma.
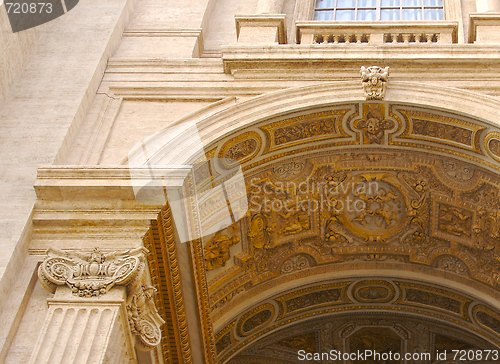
{"points": [[349, 314], [355, 184], [354, 191]]}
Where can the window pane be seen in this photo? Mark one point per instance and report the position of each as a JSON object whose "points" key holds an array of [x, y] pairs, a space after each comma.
{"points": [[322, 4], [367, 15], [323, 15], [412, 2], [386, 3], [412, 14], [344, 15], [346, 3], [389, 14], [367, 3], [433, 14], [433, 2]]}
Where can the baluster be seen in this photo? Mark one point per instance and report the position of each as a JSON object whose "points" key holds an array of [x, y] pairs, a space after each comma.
{"points": [[325, 39], [429, 38], [336, 38], [358, 38], [406, 38]]}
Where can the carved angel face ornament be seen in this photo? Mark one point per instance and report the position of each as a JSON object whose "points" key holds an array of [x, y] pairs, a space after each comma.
{"points": [[373, 126]]}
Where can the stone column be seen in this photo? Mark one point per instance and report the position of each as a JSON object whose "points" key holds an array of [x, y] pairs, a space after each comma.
{"points": [[101, 309], [270, 6], [484, 6]]}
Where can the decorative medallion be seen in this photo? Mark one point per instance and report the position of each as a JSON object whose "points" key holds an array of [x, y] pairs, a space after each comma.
{"points": [[254, 319], [379, 204], [373, 291], [239, 149], [374, 124]]}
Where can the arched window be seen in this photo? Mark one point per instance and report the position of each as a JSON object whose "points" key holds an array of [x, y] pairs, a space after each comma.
{"points": [[385, 10]]}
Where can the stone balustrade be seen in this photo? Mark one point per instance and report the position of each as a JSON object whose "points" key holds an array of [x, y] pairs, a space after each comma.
{"points": [[370, 33]]}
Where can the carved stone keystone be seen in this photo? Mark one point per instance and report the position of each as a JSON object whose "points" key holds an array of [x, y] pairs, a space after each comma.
{"points": [[374, 81]]}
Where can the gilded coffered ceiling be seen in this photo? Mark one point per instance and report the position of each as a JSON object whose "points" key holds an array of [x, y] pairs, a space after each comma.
{"points": [[351, 187], [359, 314]]}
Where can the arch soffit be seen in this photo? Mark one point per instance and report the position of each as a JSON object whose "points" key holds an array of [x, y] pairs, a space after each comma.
{"points": [[170, 146], [350, 293], [180, 143]]}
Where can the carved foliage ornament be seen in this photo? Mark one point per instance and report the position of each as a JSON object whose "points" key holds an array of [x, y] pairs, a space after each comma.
{"points": [[88, 274], [95, 273], [374, 81]]}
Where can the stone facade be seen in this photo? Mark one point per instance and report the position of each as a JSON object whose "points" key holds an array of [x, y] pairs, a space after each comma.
{"points": [[161, 161]]}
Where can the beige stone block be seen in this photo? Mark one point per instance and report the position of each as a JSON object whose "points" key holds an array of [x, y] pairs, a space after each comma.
{"points": [[261, 29], [258, 35], [156, 47], [376, 38], [484, 28]]}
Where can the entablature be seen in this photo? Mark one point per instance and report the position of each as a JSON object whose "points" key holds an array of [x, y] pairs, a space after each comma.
{"points": [[278, 57]]}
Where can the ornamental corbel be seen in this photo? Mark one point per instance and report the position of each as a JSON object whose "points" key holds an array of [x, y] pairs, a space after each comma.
{"points": [[92, 274]]}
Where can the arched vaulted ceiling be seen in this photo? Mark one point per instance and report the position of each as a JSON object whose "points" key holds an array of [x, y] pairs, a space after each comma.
{"points": [[365, 213]]}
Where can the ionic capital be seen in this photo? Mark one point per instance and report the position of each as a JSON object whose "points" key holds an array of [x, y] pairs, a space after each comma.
{"points": [[90, 275]]}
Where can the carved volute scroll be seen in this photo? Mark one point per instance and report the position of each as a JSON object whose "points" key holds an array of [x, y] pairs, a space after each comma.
{"points": [[90, 275]]}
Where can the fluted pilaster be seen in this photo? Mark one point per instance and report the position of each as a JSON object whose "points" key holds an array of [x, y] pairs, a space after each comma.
{"points": [[101, 309], [85, 332]]}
